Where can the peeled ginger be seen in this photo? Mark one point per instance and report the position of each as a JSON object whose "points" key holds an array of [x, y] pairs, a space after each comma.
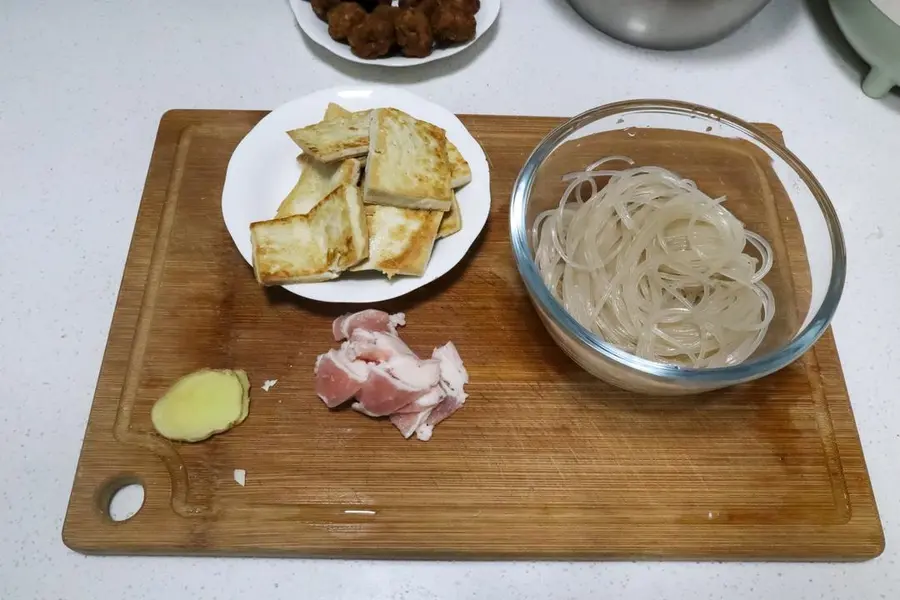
{"points": [[202, 404]]}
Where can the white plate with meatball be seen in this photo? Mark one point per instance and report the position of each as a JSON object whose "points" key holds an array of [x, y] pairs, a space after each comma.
{"points": [[365, 35]]}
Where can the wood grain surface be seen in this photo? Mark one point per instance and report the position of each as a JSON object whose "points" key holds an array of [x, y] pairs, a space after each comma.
{"points": [[544, 461]]}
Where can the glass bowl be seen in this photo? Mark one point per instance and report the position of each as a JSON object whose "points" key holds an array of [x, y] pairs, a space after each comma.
{"points": [[768, 189]]}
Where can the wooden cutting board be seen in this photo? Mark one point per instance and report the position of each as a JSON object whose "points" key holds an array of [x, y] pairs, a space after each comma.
{"points": [[542, 462]]}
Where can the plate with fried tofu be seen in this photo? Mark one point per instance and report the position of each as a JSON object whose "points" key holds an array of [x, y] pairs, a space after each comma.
{"points": [[356, 195]]}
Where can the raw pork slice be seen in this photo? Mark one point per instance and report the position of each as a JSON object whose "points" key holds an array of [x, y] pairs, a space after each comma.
{"points": [[454, 376], [450, 405], [408, 424], [386, 378], [369, 320], [447, 407], [339, 378], [419, 374], [362, 410], [427, 401], [383, 394], [375, 346]]}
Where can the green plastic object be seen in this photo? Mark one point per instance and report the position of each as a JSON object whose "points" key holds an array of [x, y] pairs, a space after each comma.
{"points": [[876, 38]]}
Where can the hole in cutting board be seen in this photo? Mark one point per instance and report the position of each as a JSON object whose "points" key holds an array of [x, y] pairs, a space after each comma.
{"points": [[125, 501]]}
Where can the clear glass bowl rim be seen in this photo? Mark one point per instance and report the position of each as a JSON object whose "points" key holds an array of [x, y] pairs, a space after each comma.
{"points": [[759, 366]]}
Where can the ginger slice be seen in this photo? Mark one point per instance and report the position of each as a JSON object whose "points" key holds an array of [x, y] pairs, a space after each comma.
{"points": [[202, 404], [245, 399]]}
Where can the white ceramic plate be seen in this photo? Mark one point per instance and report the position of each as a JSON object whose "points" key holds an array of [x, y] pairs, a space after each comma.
{"points": [[891, 8], [264, 168], [317, 30]]}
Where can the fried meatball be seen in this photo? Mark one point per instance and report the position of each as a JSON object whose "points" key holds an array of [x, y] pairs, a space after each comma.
{"points": [[321, 7], [427, 6], [373, 38], [343, 18], [414, 33], [451, 25], [469, 6], [386, 11]]}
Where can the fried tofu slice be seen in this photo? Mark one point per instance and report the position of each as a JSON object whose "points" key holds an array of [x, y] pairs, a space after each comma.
{"points": [[317, 246], [317, 181], [400, 240], [452, 221], [407, 165], [336, 111], [460, 171], [335, 139]]}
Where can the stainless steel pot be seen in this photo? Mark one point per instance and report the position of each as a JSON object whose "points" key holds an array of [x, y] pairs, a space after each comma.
{"points": [[668, 24]]}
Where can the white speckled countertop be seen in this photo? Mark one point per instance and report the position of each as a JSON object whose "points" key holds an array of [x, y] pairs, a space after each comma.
{"points": [[82, 87]]}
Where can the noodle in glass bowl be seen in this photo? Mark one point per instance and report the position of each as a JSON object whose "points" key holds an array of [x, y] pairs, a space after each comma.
{"points": [[674, 249]]}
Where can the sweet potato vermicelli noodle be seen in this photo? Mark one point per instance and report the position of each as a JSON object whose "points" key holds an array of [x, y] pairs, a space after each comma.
{"points": [[653, 265]]}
